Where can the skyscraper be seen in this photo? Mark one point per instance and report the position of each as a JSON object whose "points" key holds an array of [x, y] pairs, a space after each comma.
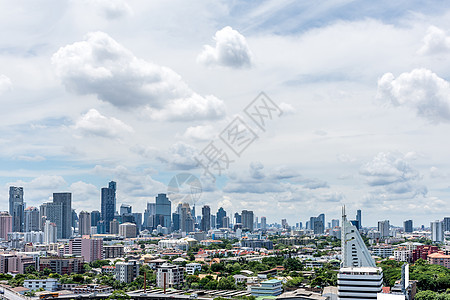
{"points": [[85, 223], [358, 218], [206, 218], [95, 217], [334, 223], [50, 232], [408, 226], [437, 231], [108, 205], [237, 218], [447, 224], [163, 211], [5, 224], [263, 223], [16, 208], [31, 216], [186, 219], [65, 200], [221, 213], [247, 220], [125, 209], [383, 228], [149, 215]]}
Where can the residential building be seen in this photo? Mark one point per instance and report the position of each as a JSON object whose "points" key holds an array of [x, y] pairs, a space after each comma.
{"points": [[382, 251], [65, 200], [221, 213], [402, 254], [113, 251], [92, 288], [206, 218], [84, 223], [5, 224], [16, 208], [149, 216], [170, 275], [257, 244], [108, 204], [48, 284], [50, 232], [127, 230], [12, 262], [439, 259], [247, 220], [126, 271], [263, 223], [31, 219], [437, 231], [408, 226], [89, 248], [192, 267], [226, 222], [272, 287], [422, 252], [446, 224], [383, 228], [62, 265], [95, 217], [114, 226]]}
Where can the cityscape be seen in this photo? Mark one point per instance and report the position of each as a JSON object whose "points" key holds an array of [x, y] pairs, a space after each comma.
{"points": [[213, 150]]}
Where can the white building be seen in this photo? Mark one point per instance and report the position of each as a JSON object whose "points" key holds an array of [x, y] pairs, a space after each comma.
{"points": [[402, 254], [50, 232], [126, 271], [170, 275], [127, 230], [437, 231], [35, 237], [49, 284], [382, 250], [192, 267]]}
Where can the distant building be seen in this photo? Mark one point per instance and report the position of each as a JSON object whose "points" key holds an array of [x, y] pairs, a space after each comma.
{"points": [[50, 232], [171, 275], [31, 219], [422, 252], [113, 251], [447, 224], [206, 218], [257, 244], [221, 213], [247, 220], [61, 265], [272, 287], [192, 267], [263, 223], [437, 231], [114, 227], [84, 223], [408, 226], [163, 211], [127, 230], [60, 212], [358, 218], [126, 271], [95, 217], [16, 208], [108, 204], [89, 248], [383, 228], [334, 223], [48, 284], [5, 224]]}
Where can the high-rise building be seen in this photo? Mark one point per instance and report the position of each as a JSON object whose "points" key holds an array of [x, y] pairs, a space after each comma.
{"points": [[65, 200], [318, 227], [206, 218], [16, 208], [237, 218], [85, 223], [437, 231], [334, 223], [186, 219], [125, 209], [383, 228], [5, 224], [263, 223], [247, 220], [74, 219], [95, 217], [108, 205], [221, 213], [359, 277], [226, 222], [137, 220], [358, 218], [175, 221], [89, 248], [149, 216], [163, 211], [447, 224], [31, 216], [213, 219], [127, 230], [50, 232], [408, 226], [114, 226]]}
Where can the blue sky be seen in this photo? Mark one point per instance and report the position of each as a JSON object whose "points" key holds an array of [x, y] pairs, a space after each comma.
{"points": [[132, 91]]}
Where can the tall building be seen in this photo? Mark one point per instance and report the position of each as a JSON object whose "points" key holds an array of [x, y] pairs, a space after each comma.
{"points": [[359, 278], [247, 220], [126, 271], [108, 204], [95, 217], [5, 224], [318, 227], [383, 228], [408, 226], [137, 220], [334, 223], [16, 208], [206, 218], [114, 227], [50, 232], [226, 222], [437, 231], [85, 223], [175, 221], [125, 209], [447, 224], [186, 220], [263, 223], [127, 230], [163, 211], [149, 215], [65, 200], [74, 219], [32, 220], [237, 218], [358, 218], [221, 213], [90, 249]]}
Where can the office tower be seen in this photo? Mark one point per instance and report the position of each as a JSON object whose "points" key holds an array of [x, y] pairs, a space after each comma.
{"points": [[256, 224], [447, 224], [108, 205], [221, 213], [355, 223], [383, 228], [321, 218], [359, 277], [5, 224], [437, 231], [300, 225], [175, 221], [334, 223], [318, 227], [213, 219], [206, 218], [125, 209], [85, 223], [50, 232], [193, 212], [127, 230], [149, 215], [42, 216], [114, 226], [137, 220], [358, 218], [95, 217], [186, 219], [237, 218], [263, 223], [32, 220], [163, 211], [247, 220], [16, 208], [74, 219], [65, 199], [408, 226], [101, 227], [226, 222]]}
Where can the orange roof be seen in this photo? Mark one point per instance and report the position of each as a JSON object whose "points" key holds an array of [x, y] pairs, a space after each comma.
{"points": [[438, 255]]}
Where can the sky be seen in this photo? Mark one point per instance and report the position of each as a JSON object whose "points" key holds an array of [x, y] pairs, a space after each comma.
{"points": [[355, 105]]}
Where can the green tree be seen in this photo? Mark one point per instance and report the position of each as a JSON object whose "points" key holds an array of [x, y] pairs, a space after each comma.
{"points": [[118, 295]]}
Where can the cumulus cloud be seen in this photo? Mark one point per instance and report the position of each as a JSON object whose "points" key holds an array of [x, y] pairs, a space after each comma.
{"points": [[421, 90], [200, 133], [85, 196], [5, 84], [101, 66], [112, 9], [43, 182], [95, 124], [435, 41], [32, 158], [231, 50]]}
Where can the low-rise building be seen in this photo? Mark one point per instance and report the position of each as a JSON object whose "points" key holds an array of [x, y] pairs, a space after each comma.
{"points": [[91, 288], [126, 271], [439, 259], [192, 267], [402, 254], [170, 275], [113, 251], [382, 250], [48, 284], [61, 265], [272, 287]]}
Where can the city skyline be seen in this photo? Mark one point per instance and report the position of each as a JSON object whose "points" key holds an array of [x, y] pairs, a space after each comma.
{"points": [[111, 91]]}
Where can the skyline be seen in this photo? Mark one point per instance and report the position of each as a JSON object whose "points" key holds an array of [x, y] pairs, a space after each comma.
{"points": [[131, 91]]}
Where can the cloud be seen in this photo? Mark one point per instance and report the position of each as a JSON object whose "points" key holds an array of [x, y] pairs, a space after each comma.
{"points": [[34, 158], [435, 41], [43, 182], [5, 84], [85, 196], [95, 124], [231, 50], [112, 9], [421, 90], [200, 133], [101, 66]]}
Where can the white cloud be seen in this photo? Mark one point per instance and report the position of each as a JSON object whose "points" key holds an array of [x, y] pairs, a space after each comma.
{"points": [[30, 158], [421, 90], [200, 133], [44, 182], [5, 84], [85, 196], [435, 41], [101, 66], [95, 124], [231, 50], [112, 9]]}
